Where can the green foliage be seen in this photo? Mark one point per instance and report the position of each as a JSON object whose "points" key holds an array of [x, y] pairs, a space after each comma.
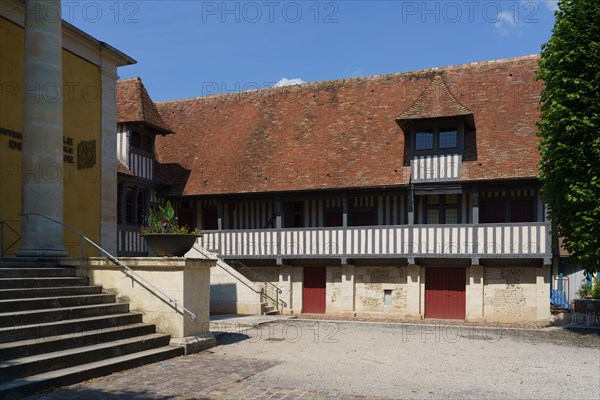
{"points": [[590, 290], [163, 220], [570, 128]]}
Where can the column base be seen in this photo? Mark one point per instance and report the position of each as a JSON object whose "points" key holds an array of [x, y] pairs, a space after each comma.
{"points": [[195, 344]]}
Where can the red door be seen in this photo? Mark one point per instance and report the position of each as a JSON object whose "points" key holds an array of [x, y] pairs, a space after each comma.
{"points": [[313, 295], [445, 293]]}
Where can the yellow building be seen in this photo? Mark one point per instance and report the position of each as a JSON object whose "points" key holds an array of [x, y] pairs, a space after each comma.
{"points": [[87, 93]]}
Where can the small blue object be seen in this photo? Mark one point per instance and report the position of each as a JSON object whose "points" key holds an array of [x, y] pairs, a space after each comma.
{"points": [[558, 298]]}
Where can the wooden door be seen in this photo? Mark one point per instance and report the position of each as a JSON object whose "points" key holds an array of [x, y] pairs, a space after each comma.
{"points": [[445, 293], [313, 294]]}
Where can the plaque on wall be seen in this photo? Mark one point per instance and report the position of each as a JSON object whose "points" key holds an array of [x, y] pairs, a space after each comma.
{"points": [[86, 154]]}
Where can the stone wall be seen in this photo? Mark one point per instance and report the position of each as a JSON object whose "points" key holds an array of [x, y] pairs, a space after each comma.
{"points": [[371, 282], [510, 294]]}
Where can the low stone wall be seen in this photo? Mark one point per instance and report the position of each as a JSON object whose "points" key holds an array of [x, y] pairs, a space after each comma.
{"points": [[185, 280]]}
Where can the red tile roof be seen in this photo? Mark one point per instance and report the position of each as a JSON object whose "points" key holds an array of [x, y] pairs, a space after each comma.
{"points": [[343, 134], [135, 105], [435, 102]]}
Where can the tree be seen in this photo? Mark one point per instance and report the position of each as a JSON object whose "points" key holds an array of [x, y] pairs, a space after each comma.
{"points": [[570, 128]]}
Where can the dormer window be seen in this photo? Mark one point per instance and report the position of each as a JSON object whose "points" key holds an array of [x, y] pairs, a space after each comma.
{"points": [[436, 140], [448, 139], [424, 141]]}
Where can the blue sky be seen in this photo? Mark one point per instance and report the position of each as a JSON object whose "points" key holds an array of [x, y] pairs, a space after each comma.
{"points": [[196, 48]]}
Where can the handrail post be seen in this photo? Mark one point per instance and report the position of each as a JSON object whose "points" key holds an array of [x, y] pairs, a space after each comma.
{"points": [[1, 238]]}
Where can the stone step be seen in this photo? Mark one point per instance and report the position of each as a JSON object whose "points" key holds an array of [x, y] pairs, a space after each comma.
{"points": [[40, 363], [36, 272], [30, 347], [21, 387], [25, 293], [16, 283], [16, 262], [42, 316], [54, 302], [25, 332]]}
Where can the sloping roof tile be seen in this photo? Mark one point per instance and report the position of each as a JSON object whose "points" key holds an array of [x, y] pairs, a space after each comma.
{"points": [[435, 102], [343, 134], [135, 105]]}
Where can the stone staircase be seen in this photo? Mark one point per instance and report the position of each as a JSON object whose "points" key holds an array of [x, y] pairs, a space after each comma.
{"points": [[56, 330]]}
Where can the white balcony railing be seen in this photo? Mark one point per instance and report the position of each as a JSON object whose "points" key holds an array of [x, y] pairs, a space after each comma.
{"points": [[520, 240]]}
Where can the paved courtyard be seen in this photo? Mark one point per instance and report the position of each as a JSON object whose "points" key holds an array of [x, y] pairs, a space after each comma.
{"points": [[346, 360]]}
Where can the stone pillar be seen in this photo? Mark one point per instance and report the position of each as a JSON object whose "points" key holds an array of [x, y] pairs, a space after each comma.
{"points": [[413, 292], [285, 284], [42, 156], [474, 294], [296, 296], [542, 281], [346, 306], [108, 161]]}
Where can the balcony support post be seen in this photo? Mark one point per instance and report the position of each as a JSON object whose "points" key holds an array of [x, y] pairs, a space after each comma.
{"points": [[220, 215], [278, 226], [344, 209], [410, 205], [475, 222]]}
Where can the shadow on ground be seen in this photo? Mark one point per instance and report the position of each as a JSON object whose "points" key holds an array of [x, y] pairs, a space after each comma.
{"points": [[98, 394]]}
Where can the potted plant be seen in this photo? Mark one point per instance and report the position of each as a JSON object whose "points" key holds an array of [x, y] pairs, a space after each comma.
{"points": [[164, 236]]}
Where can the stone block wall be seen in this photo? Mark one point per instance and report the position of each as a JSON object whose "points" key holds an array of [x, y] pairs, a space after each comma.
{"points": [[510, 294]]}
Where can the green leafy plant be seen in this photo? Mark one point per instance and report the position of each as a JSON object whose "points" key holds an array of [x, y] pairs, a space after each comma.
{"points": [[163, 220], [592, 290], [584, 290], [596, 289]]}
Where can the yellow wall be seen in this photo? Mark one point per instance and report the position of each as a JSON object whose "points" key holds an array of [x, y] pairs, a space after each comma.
{"points": [[82, 113]]}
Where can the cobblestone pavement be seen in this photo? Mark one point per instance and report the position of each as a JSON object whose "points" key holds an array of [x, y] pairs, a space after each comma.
{"points": [[200, 376], [308, 359]]}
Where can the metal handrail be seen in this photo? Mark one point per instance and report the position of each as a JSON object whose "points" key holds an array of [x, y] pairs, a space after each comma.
{"points": [[128, 271], [267, 283], [277, 301], [2, 250]]}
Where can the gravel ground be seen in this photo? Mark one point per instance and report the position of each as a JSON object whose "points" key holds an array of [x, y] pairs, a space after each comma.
{"points": [[422, 361]]}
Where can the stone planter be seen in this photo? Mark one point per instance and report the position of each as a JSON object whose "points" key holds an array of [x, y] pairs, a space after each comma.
{"points": [[169, 244]]}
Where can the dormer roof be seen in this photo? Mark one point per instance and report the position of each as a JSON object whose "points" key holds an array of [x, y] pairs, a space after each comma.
{"points": [[135, 105], [435, 102]]}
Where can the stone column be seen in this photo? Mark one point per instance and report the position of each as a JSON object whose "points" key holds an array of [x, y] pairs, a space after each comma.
{"points": [[413, 292], [348, 294], [42, 156], [297, 284], [474, 294], [285, 284], [108, 160], [542, 281]]}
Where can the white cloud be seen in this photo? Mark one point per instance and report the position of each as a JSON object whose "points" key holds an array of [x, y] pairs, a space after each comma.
{"points": [[552, 5], [506, 23], [288, 82]]}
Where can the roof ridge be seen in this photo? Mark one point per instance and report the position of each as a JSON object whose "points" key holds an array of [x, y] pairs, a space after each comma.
{"points": [[319, 84]]}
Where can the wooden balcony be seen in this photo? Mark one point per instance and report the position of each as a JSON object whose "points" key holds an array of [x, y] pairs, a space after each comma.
{"points": [[129, 242], [141, 164], [515, 240]]}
